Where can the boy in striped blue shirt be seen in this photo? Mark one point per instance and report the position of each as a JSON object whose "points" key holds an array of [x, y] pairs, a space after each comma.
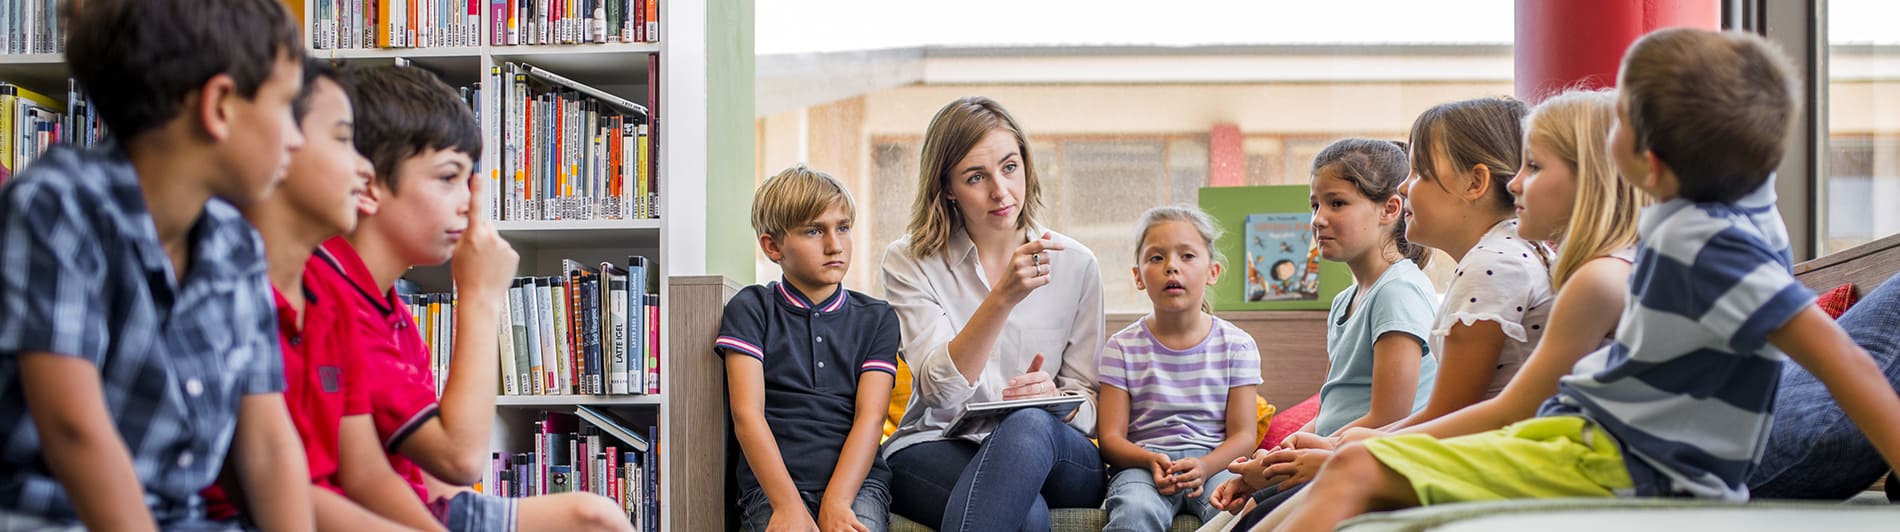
{"points": [[1681, 403]]}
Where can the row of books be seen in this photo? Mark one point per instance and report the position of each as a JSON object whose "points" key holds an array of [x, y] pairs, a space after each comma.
{"points": [[591, 451], [360, 24], [589, 331], [353, 24], [569, 151], [31, 122], [518, 22], [31, 27]]}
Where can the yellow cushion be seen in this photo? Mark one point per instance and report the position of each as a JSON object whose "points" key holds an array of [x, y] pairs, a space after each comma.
{"points": [[1265, 410], [900, 397]]}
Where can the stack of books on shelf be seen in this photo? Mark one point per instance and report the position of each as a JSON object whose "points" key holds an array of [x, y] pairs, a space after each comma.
{"points": [[572, 152], [31, 122], [530, 22], [589, 331], [589, 451], [362, 24], [358, 24], [31, 27]]}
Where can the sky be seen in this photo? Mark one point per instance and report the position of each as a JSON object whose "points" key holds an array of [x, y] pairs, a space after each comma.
{"points": [[793, 26]]}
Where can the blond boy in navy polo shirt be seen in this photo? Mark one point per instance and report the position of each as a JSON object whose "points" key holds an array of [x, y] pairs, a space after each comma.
{"points": [[813, 369]]}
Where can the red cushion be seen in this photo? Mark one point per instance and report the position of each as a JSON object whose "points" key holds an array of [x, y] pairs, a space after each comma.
{"points": [[1289, 421], [1836, 302]]}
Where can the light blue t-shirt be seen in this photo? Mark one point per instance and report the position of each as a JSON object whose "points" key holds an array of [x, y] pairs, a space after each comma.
{"points": [[1400, 301]]}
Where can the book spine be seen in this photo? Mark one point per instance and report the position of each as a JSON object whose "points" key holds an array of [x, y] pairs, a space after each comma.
{"points": [[653, 344], [538, 347], [653, 20], [557, 321], [617, 316], [505, 352], [591, 323], [524, 371]]}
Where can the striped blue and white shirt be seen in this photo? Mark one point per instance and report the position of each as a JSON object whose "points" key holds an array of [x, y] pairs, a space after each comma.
{"points": [[1688, 386], [1177, 400], [82, 274]]}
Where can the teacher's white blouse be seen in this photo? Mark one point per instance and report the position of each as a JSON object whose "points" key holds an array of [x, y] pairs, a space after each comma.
{"points": [[936, 295]]}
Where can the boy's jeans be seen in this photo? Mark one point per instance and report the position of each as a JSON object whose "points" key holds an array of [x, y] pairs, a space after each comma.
{"points": [[872, 506], [1814, 450]]}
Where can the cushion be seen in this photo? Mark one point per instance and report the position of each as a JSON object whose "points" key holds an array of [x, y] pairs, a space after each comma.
{"points": [[1836, 302], [1289, 421], [1264, 412], [1814, 450], [900, 398], [1063, 520]]}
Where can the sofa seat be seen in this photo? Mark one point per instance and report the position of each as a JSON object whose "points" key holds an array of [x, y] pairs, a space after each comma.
{"points": [[1063, 519]]}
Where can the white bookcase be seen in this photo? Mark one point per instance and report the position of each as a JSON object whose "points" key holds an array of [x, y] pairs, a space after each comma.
{"points": [[620, 69], [689, 411]]}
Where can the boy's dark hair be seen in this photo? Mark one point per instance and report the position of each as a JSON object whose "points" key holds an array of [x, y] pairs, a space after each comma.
{"points": [[141, 60], [313, 70], [403, 111], [1715, 106], [1487, 131], [1375, 168]]}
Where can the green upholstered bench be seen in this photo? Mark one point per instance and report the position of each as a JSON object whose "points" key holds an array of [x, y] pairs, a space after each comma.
{"points": [[1596, 515], [1063, 519]]}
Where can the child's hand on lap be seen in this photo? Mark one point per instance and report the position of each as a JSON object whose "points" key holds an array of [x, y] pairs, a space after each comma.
{"points": [[797, 520], [1229, 495], [838, 517], [1159, 465], [1307, 440], [1354, 434], [1187, 475], [1294, 467]]}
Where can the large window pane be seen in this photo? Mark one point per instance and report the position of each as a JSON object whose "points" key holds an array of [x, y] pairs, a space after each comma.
{"points": [[1862, 184]]}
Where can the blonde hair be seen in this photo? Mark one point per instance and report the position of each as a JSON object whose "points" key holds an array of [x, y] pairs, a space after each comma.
{"points": [[795, 197], [1203, 224], [1575, 125], [953, 132]]}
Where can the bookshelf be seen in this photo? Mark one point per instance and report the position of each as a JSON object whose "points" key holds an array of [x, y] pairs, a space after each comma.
{"points": [[706, 105], [620, 69]]}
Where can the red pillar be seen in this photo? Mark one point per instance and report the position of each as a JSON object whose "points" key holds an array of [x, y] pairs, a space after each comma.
{"points": [[1226, 161], [1562, 44]]}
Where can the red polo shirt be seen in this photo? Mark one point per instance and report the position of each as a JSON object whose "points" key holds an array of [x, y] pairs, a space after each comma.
{"points": [[392, 355], [323, 378]]}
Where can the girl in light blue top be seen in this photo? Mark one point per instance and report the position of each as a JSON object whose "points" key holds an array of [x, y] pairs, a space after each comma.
{"points": [[1376, 331]]}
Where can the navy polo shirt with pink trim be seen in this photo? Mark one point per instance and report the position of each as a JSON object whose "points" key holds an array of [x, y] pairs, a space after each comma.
{"points": [[813, 354]]}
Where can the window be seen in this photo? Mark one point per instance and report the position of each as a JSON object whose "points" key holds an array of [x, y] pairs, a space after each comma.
{"points": [[1863, 93]]}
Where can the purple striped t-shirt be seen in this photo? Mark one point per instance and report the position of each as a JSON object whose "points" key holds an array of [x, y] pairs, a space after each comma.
{"points": [[1178, 399]]}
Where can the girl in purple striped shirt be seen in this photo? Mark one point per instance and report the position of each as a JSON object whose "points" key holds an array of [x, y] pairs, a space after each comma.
{"points": [[1178, 385]]}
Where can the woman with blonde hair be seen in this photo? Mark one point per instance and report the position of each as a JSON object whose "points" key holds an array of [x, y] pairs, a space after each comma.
{"points": [[994, 306]]}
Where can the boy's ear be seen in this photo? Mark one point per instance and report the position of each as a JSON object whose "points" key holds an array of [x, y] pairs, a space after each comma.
{"points": [[1656, 180], [371, 200], [215, 100], [770, 246]]}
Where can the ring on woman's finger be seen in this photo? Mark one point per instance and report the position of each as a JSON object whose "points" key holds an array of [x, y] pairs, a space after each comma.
{"points": [[1036, 257]]}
